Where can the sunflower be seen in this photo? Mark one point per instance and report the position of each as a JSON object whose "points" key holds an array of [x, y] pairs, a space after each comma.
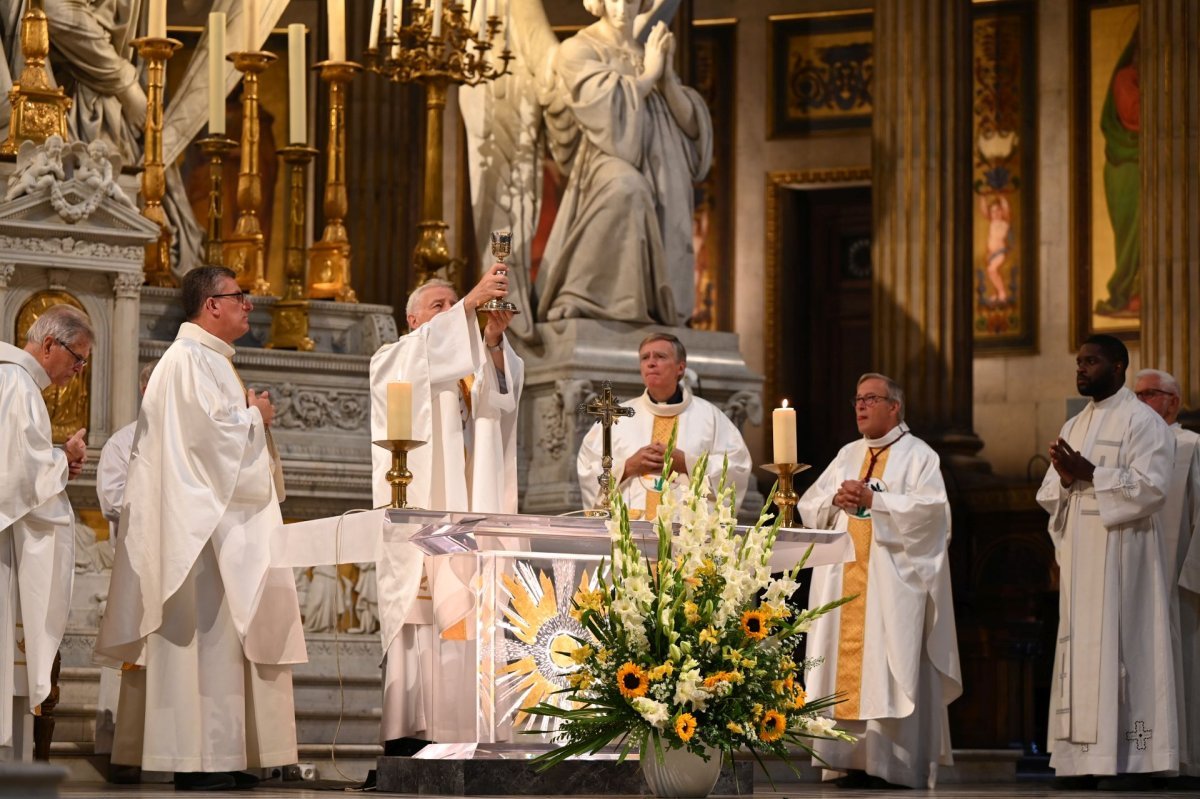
{"points": [[799, 698], [755, 624], [773, 726], [631, 680], [685, 726]]}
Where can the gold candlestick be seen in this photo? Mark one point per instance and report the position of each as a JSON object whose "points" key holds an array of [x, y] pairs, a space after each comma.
{"points": [[786, 496], [289, 317], [39, 109], [399, 476], [216, 148], [157, 264], [329, 267], [243, 251]]}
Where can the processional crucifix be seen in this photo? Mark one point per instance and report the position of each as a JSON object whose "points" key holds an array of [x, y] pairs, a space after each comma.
{"points": [[606, 409]]}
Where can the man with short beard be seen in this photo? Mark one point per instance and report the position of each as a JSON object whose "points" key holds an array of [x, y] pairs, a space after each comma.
{"points": [[1112, 713]]}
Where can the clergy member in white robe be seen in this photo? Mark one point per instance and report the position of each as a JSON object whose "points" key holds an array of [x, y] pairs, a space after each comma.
{"points": [[1181, 545], [639, 442], [1112, 701], [466, 389], [193, 598], [893, 651], [37, 524]]}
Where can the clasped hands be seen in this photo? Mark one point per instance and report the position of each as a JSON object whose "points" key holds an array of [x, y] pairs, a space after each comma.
{"points": [[852, 495], [1069, 464], [76, 449], [650, 458], [261, 401]]}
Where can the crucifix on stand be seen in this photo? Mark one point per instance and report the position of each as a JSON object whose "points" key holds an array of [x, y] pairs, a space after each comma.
{"points": [[606, 409]]}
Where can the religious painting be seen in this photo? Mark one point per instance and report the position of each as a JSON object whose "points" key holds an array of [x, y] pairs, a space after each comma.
{"points": [[714, 75], [821, 73], [69, 406], [1106, 285], [1003, 139], [273, 122]]}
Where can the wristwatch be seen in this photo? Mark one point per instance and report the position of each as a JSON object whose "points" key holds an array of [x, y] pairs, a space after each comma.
{"points": [[497, 347]]}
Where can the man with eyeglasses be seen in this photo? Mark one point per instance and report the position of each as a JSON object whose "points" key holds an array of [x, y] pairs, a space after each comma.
{"points": [[37, 524], [193, 599], [1112, 719], [1180, 523], [892, 652]]}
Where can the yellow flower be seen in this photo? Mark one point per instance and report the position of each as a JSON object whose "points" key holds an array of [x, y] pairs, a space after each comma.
{"points": [[580, 654], [691, 612], [579, 680], [685, 726], [631, 680], [587, 600], [777, 686], [722, 676], [799, 698], [603, 656], [757, 711], [659, 672], [735, 728], [709, 636], [756, 624], [773, 726]]}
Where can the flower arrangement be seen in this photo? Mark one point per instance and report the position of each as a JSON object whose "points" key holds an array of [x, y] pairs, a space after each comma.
{"points": [[693, 650]]}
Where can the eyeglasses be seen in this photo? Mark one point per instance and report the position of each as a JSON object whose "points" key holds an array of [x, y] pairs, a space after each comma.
{"points": [[1148, 393], [240, 296], [80, 361], [868, 399]]}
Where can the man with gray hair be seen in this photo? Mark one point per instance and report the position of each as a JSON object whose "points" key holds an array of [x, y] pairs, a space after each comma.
{"points": [[1180, 519], [37, 524], [465, 389], [893, 652]]}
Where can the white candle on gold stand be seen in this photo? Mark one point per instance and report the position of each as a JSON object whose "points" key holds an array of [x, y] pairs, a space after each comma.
{"points": [[507, 25], [251, 25], [216, 73], [399, 410], [337, 30], [783, 431], [373, 38], [297, 85], [437, 18], [156, 25]]}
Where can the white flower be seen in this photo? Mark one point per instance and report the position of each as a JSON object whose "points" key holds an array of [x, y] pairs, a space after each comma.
{"points": [[781, 589], [820, 726], [656, 713], [689, 689]]}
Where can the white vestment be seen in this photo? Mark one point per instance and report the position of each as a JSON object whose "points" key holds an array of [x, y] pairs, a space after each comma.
{"points": [[702, 428], [193, 597], [468, 464], [1112, 699], [1180, 522], [909, 654], [37, 547]]}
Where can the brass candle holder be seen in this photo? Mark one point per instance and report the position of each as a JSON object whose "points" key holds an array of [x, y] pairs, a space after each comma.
{"points": [[243, 251], [215, 148], [289, 317], [412, 54], [329, 259], [399, 476], [39, 109], [157, 264], [786, 496]]}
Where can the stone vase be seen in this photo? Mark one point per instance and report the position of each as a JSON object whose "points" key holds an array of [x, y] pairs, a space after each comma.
{"points": [[681, 773]]}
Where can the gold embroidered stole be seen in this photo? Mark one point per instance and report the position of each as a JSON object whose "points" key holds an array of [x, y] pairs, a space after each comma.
{"points": [[854, 614], [464, 389]]}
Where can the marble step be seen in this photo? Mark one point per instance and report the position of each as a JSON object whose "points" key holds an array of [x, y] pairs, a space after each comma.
{"points": [[30, 780]]}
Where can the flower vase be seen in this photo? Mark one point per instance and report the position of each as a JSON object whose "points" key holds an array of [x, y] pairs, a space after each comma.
{"points": [[681, 773]]}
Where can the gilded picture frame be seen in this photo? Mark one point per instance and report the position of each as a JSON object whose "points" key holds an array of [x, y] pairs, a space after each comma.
{"points": [[1106, 279], [821, 71]]}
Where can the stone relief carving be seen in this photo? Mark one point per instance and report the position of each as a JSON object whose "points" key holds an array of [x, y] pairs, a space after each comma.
{"points": [[84, 170], [66, 245], [551, 411], [366, 606], [309, 409], [742, 407], [127, 285], [6, 273]]}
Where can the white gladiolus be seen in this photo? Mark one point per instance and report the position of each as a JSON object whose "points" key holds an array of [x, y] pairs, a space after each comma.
{"points": [[656, 713]]}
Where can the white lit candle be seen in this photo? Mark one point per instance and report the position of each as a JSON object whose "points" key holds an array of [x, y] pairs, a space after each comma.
{"points": [[783, 431], [507, 24], [337, 30], [376, 9], [437, 18], [156, 25], [297, 85], [399, 410], [216, 73], [251, 25]]}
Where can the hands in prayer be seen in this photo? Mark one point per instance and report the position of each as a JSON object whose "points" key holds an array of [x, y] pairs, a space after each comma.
{"points": [[1069, 464], [263, 403], [852, 495], [650, 458], [76, 449]]}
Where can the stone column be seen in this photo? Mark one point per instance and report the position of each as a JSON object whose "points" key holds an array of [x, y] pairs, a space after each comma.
{"points": [[7, 271], [921, 173], [127, 289], [1170, 145]]}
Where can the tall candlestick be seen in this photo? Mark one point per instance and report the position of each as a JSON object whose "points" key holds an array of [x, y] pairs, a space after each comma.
{"points": [[399, 410], [297, 85], [156, 25], [376, 10], [337, 29], [251, 25], [783, 431], [157, 263], [216, 73]]}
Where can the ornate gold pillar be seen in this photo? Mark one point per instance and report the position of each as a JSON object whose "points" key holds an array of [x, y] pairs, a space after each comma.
{"points": [[1170, 144], [921, 173]]}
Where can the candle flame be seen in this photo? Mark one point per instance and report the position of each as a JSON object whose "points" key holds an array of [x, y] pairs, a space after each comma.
{"points": [[784, 404]]}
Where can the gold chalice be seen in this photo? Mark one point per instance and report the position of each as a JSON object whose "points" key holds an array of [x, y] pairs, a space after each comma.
{"points": [[501, 249]]}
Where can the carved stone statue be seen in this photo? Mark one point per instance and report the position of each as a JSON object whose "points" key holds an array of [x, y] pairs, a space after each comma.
{"points": [[38, 167], [631, 140]]}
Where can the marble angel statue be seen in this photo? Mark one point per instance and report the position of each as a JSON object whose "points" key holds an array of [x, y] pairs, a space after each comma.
{"points": [[631, 140]]}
